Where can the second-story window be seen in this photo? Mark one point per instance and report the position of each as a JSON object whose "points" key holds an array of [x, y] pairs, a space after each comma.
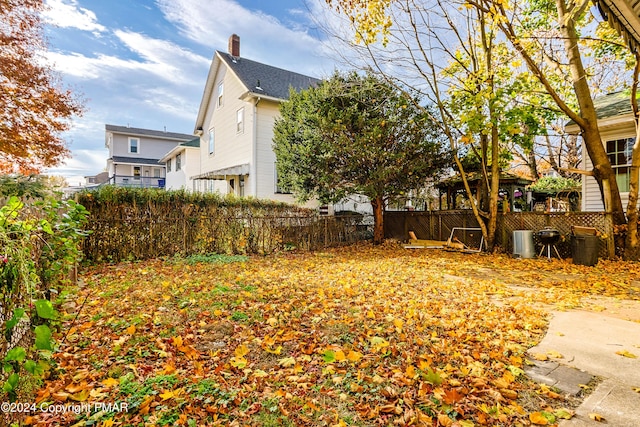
{"points": [[240, 121], [212, 142], [134, 145], [169, 165], [178, 162], [220, 92]]}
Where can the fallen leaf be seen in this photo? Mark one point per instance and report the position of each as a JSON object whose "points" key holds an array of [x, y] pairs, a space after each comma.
{"points": [[554, 354], [596, 417], [241, 351], [110, 382], [167, 395], [538, 419], [564, 413], [354, 356], [287, 362], [625, 353]]}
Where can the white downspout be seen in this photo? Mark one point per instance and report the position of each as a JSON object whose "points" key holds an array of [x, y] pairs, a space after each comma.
{"points": [[253, 169]]}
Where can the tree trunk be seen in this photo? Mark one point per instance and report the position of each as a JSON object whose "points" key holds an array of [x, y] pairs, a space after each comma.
{"points": [[495, 140], [632, 249], [378, 220], [603, 172], [632, 246]]}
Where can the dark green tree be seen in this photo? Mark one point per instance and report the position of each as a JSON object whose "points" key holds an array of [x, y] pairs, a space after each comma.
{"points": [[356, 134]]}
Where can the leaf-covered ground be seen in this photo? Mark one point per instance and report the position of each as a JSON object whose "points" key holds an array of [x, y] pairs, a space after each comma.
{"points": [[353, 336]]}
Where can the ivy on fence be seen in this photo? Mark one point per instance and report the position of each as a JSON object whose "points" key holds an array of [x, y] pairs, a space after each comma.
{"points": [[129, 223], [39, 247]]}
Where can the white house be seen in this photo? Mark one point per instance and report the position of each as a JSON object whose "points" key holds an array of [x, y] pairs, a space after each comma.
{"points": [[235, 122], [182, 162], [618, 132], [134, 155]]}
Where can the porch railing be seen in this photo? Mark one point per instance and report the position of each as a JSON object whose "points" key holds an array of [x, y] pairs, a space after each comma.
{"points": [[137, 181]]}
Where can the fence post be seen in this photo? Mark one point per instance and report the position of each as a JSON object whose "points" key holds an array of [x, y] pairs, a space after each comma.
{"points": [[326, 225]]}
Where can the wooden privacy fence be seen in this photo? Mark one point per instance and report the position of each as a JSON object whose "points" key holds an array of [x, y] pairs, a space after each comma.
{"points": [[145, 237], [437, 225]]}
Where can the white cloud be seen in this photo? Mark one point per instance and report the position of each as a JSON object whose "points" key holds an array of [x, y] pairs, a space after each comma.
{"points": [[162, 58], [78, 65], [174, 104], [262, 37], [67, 14], [82, 163]]}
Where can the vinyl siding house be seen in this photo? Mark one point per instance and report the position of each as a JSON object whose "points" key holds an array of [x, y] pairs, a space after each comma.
{"points": [[235, 123], [618, 131], [181, 163], [135, 154]]}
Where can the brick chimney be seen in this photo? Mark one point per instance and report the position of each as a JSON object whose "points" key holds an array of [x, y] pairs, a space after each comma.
{"points": [[234, 45]]}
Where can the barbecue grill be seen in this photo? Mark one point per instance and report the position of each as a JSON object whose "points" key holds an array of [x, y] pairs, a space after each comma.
{"points": [[548, 237]]}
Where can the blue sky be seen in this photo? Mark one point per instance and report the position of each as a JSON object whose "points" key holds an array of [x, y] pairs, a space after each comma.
{"points": [[144, 63]]}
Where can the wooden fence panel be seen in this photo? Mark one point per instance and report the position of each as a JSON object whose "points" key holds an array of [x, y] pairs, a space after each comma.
{"points": [[125, 237], [437, 225]]}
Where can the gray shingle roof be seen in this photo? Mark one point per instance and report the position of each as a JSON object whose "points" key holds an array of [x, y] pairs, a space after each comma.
{"points": [[265, 79], [613, 104], [136, 160], [148, 132], [193, 143]]}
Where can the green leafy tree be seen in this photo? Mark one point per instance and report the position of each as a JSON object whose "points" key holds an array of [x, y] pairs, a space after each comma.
{"points": [[355, 134], [556, 40]]}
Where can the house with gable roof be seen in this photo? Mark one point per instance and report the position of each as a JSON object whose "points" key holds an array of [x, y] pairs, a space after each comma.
{"points": [[235, 123], [181, 163], [135, 154]]}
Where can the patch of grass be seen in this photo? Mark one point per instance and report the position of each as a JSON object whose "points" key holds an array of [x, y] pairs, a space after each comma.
{"points": [[239, 316], [211, 259]]}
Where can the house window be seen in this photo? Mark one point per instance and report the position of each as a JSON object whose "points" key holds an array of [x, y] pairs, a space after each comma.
{"points": [[240, 121], [156, 173], [220, 92], [278, 185], [212, 140], [134, 145], [178, 162], [619, 152], [169, 165], [136, 172]]}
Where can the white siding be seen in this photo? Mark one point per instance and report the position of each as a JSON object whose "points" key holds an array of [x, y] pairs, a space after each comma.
{"points": [[190, 159], [591, 198], [231, 148], [148, 147]]}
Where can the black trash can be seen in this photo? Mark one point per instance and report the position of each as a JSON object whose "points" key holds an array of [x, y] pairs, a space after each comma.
{"points": [[584, 249]]}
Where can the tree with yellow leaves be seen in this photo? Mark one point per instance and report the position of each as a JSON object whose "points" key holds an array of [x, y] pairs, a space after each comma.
{"points": [[546, 34]]}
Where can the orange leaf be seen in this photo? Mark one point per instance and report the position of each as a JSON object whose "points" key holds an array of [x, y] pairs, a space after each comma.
{"points": [[354, 356], [452, 396], [131, 330], [538, 419], [445, 420], [168, 369]]}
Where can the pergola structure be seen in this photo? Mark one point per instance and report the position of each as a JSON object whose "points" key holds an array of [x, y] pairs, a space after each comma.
{"points": [[509, 182]]}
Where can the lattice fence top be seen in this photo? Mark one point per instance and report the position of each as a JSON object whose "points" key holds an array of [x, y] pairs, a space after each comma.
{"points": [[437, 225]]}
